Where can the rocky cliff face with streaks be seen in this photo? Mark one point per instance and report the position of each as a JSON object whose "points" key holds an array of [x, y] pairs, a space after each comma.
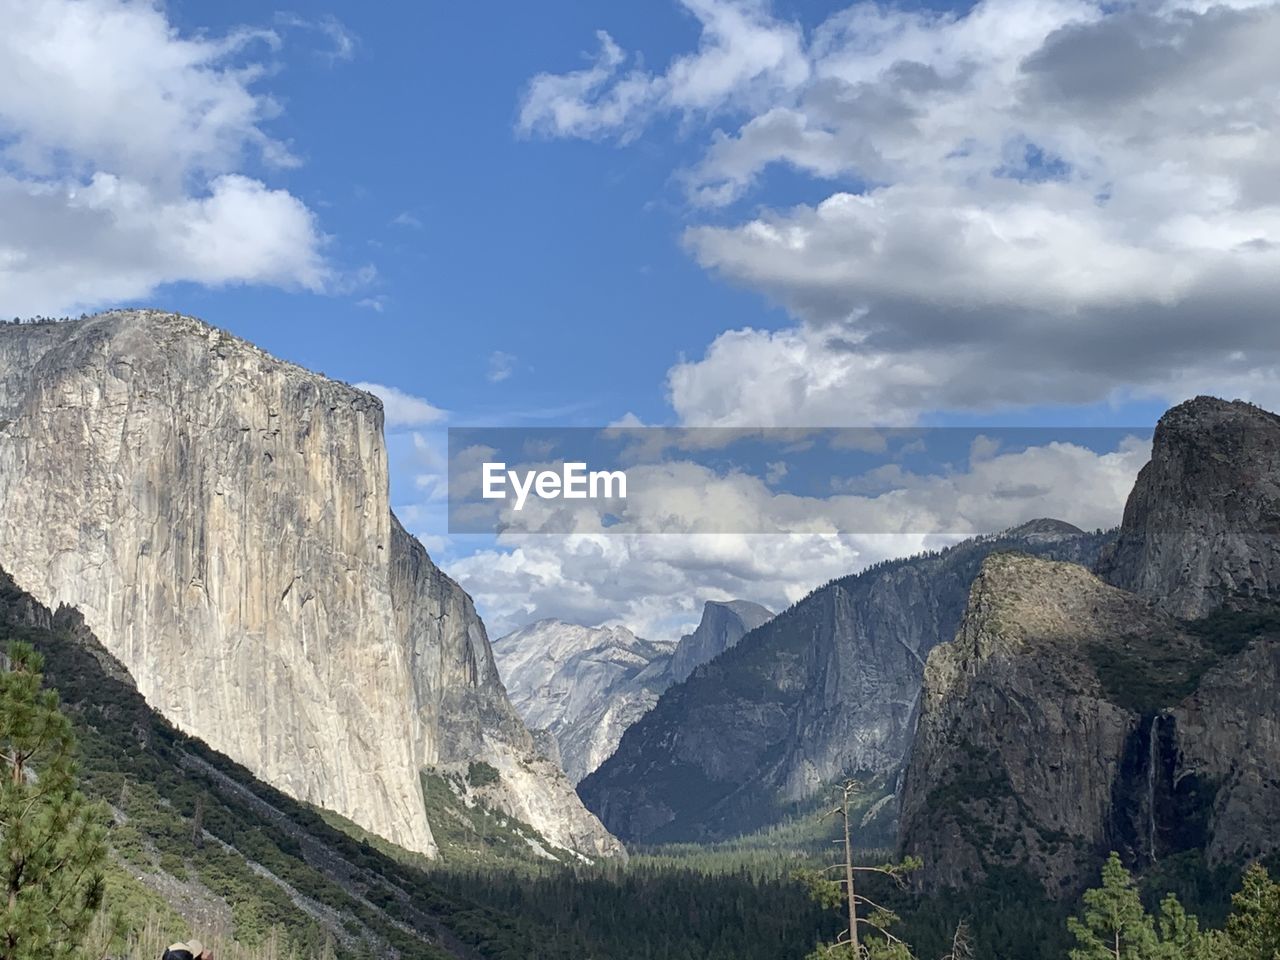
{"points": [[583, 685], [221, 520], [723, 624], [1203, 523]]}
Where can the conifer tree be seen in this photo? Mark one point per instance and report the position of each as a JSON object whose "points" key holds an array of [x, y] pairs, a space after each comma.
{"points": [[1253, 929], [1180, 935], [52, 840], [1114, 926]]}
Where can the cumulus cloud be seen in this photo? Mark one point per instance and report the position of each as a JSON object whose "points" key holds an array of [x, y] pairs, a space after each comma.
{"points": [[402, 410], [594, 576], [1031, 202], [124, 146]]}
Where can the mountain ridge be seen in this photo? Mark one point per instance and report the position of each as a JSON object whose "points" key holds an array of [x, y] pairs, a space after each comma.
{"points": [[826, 688], [1073, 715]]}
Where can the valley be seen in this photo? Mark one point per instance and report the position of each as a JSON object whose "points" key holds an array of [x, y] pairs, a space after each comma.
{"points": [[194, 533]]}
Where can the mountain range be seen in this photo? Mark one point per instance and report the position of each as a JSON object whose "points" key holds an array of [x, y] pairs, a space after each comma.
{"points": [[584, 686], [827, 688], [195, 533]]}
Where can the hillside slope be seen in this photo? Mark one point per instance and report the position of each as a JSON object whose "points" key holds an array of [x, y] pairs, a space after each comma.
{"points": [[201, 847]]}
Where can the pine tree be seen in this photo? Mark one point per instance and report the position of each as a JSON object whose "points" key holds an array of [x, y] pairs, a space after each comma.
{"points": [[52, 840], [1253, 929], [1180, 935], [1114, 926]]}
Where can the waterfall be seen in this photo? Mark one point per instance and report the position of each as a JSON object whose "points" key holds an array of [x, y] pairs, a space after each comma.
{"points": [[1153, 759]]}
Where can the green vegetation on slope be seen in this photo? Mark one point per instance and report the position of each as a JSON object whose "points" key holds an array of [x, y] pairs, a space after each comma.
{"points": [[191, 825], [1149, 676], [296, 882]]}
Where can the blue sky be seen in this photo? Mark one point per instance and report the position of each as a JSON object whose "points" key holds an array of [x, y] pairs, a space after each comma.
{"points": [[563, 254], [693, 212]]}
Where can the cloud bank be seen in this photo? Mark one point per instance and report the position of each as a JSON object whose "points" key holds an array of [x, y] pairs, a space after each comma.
{"points": [[655, 583], [1031, 202], [123, 155]]}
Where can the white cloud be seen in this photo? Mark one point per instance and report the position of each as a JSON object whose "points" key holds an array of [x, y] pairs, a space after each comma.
{"points": [[792, 378], [342, 41], [628, 579], [406, 219], [501, 366], [1031, 202], [592, 576], [124, 146], [744, 56], [402, 410]]}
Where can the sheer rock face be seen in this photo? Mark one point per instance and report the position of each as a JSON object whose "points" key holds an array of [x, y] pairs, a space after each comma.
{"points": [[586, 685], [723, 624], [221, 520], [1221, 748], [1018, 751], [1203, 521], [1070, 718], [826, 688]]}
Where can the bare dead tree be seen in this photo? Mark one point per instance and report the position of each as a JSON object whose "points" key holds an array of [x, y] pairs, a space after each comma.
{"points": [[197, 823], [878, 915]]}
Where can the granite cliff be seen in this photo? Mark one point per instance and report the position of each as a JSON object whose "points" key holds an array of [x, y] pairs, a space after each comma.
{"points": [[828, 687], [585, 686], [1203, 522], [1070, 717], [723, 624], [221, 520]]}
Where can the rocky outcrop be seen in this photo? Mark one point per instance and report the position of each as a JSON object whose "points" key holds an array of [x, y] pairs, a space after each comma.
{"points": [[723, 624], [586, 685], [221, 520], [1070, 718], [1219, 750], [1203, 522], [826, 688], [1018, 750]]}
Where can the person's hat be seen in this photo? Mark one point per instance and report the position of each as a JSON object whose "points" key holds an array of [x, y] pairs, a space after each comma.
{"points": [[193, 947]]}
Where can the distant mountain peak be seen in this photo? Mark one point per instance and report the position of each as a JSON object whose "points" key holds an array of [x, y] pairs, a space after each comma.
{"points": [[723, 624], [586, 685], [1044, 527]]}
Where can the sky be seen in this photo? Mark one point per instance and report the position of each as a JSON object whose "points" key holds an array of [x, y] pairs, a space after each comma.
{"points": [[675, 213]]}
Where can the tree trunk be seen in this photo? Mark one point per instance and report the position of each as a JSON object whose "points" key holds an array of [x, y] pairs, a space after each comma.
{"points": [[848, 878]]}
